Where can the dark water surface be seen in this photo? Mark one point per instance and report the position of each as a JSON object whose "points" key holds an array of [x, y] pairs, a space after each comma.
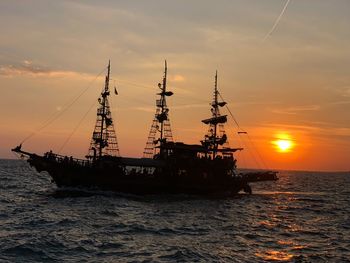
{"points": [[304, 217]]}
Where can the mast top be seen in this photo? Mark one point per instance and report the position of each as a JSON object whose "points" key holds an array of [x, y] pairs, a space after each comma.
{"points": [[161, 122], [104, 140], [216, 137], [216, 117], [215, 102], [106, 93]]}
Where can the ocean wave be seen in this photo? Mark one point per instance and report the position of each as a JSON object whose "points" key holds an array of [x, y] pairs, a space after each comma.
{"points": [[303, 217], [25, 253]]}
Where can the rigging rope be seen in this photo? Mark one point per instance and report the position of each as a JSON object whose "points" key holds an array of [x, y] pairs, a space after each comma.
{"points": [[257, 152], [56, 114], [250, 152], [76, 128], [249, 139], [133, 83], [228, 109], [114, 124]]}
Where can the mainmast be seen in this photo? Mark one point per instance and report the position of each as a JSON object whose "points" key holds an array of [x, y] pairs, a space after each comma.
{"points": [[216, 108], [104, 140], [216, 135], [161, 122], [164, 110]]}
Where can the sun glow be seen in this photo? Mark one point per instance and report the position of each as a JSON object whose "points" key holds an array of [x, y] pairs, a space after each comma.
{"points": [[283, 143]]}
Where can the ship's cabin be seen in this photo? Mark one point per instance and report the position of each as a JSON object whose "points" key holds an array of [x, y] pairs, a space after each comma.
{"points": [[199, 161], [194, 151]]}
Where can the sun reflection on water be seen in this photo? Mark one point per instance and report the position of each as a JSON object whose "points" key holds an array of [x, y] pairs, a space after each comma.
{"points": [[285, 242], [274, 255], [295, 227], [267, 223], [297, 247]]}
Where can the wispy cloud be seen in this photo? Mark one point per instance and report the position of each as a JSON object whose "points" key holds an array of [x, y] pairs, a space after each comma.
{"points": [[317, 129], [346, 92], [29, 69], [296, 109], [249, 103], [144, 109], [299, 127], [341, 132], [176, 78], [341, 102], [189, 106]]}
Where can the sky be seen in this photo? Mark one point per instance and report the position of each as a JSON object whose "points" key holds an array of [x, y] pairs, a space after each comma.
{"points": [[285, 75]]}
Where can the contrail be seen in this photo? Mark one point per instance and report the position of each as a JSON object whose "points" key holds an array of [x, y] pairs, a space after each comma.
{"points": [[277, 21]]}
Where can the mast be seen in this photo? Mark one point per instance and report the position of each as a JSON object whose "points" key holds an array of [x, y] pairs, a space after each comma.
{"points": [[216, 111], [163, 100], [103, 104], [104, 140], [161, 122], [216, 133]]}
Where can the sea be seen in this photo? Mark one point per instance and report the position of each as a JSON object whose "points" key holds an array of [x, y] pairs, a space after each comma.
{"points": [[302, 217]]}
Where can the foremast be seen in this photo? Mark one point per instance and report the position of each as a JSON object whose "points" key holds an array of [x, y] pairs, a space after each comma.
{"points": [[104, 139], [216, 135], [161, 124]]}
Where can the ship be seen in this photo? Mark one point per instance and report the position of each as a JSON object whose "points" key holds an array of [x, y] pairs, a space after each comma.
{"points": [[166, 167]]}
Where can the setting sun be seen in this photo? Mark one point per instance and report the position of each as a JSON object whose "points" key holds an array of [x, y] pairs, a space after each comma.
{"points": [[284, 143]]}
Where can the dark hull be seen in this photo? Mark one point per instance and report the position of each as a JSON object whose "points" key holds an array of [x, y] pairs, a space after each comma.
{"points": [[114, 179], [260, 176]]}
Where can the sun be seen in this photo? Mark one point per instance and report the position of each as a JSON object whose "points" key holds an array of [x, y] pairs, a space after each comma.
{"points": [[283, 143]]}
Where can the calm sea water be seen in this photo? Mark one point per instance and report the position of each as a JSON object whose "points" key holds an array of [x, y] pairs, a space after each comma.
{"points": [[303, 217]]}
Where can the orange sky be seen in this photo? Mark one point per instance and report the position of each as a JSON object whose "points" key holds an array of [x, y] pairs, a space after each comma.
{"points": [[294, 81]]}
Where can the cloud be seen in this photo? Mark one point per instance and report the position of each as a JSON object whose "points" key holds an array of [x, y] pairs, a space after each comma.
{"points": [[189, 106], [245, 103], [343, 131], [296, 109], [315, 129], [342, 102], [176, 78], [299, 127], [28, 69], [144, 109], [346, 92]]}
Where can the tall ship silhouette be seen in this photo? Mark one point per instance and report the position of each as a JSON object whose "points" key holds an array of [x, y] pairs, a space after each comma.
{"points": [[167, 167]]}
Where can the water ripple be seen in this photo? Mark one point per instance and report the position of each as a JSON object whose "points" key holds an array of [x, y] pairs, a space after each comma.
{"points": [[303, 217]]}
